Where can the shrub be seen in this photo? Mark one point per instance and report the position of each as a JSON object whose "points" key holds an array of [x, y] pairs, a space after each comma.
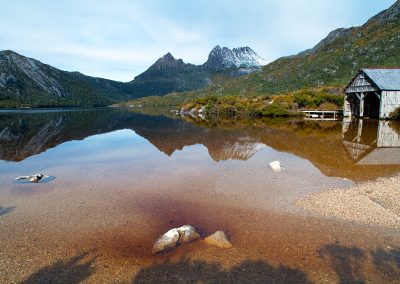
{"points": [[302, 100], [395, 115], [275, 110]]}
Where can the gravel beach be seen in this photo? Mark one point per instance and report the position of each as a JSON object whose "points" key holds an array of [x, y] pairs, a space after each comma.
{"points": [[372, 203]]}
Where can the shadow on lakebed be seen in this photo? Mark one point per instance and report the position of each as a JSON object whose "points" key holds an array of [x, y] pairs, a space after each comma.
{"points": [[352, 264], [186, 271], [348, 264], [73, 270]]}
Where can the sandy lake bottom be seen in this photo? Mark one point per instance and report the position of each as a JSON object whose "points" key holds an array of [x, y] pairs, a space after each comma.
{"points": [[123, 179]]}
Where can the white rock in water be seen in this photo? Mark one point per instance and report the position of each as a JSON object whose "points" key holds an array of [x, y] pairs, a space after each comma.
{"points": [[276, 166], [175, 236], [166, 241], [187, 233], [33, 178], [218, 239]]}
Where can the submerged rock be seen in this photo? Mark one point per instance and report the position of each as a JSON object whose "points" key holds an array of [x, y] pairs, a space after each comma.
{"points": [[276, 166], [218, 239], [174, 237], [187, 233], [166, 241], [33, 178]]}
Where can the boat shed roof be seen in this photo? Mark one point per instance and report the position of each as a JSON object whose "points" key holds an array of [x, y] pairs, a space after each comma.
{"points": [[384, 79]]}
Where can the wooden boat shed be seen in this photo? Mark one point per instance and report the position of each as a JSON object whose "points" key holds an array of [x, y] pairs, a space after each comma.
{"points": [[373, 93]]}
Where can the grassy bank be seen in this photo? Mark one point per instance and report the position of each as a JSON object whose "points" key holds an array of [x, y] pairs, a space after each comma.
{"points": [[282, 105]]}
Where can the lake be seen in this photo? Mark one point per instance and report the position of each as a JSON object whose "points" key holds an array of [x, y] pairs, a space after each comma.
{"points": [[120, 179]]}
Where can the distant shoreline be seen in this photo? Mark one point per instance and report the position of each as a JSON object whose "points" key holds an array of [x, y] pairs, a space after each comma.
{"points": [[49, 109]]}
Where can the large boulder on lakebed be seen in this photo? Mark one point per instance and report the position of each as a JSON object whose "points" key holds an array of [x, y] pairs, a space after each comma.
{"points": [[174, 237]]}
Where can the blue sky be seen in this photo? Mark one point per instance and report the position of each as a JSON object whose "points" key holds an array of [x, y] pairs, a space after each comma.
{"points": [[120, 39]]}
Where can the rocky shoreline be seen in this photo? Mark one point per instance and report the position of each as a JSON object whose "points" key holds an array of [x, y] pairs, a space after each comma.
{"points": [[374, 203]]}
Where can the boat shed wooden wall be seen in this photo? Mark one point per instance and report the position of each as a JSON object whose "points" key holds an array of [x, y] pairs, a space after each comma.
{"points": [[390, 100]]}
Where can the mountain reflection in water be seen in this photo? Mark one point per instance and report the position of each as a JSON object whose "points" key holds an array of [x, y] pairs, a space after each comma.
{"points": [[357, 150]]}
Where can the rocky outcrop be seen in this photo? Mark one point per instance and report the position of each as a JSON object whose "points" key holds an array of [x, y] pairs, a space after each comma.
{"points": [[44, 77]]}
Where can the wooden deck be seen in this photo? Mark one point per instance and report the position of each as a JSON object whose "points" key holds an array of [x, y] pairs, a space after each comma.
{"points": [[323, 114]]}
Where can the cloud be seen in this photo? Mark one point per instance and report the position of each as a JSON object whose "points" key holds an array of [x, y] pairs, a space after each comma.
{"points": [[121, 39]]}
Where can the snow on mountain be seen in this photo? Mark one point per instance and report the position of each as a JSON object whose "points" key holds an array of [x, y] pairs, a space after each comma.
{"points": [[241, 57]]}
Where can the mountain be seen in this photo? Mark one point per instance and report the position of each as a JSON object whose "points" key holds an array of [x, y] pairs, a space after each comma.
{"points": [[332, 62], [169, 75], [28, 82], [242, 57]]}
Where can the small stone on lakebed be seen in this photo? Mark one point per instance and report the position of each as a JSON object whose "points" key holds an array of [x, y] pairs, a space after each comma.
{"points": [[218, 239]]}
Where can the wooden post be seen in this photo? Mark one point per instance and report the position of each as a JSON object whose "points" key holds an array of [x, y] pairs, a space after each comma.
{"points": [[380, 105], [362, 96], [346, 107]]}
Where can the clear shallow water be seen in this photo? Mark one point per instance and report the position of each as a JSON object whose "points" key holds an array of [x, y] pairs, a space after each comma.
{"points": [[124, 178], [338, 149]]}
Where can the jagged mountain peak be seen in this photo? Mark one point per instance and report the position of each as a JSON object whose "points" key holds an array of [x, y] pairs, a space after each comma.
{"points": [[222, 58], [168, 57], [242, 49], [167, 61]]}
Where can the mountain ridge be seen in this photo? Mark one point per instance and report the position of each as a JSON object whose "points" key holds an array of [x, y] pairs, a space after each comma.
{"points": [[28, 82], [173, 75]]}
